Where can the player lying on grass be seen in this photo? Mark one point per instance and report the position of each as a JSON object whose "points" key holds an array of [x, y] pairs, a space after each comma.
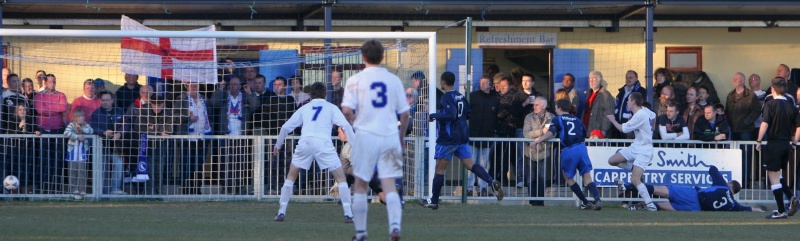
{"points": [[717, 197]]}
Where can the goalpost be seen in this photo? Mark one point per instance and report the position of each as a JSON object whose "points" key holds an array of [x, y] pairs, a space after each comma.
{"points": [[220, 166]]}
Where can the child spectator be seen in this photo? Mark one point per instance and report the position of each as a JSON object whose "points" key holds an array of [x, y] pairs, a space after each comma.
{"points": [[76, 153], [720, 110], [596, 134]]}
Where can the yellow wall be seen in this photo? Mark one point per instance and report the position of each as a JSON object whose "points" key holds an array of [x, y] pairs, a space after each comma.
{"points": [[754, 50]]}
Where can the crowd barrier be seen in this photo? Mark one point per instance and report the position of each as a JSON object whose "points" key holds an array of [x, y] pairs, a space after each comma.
{"points": [[189, 168]]}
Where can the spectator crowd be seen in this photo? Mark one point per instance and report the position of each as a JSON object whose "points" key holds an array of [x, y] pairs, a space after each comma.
{"points": [[505, 106]]}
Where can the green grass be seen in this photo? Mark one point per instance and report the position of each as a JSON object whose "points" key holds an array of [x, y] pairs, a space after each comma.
{"points": [[324, 221]]}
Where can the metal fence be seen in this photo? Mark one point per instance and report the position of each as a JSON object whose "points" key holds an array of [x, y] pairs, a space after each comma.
{"points": [[187, 168]]}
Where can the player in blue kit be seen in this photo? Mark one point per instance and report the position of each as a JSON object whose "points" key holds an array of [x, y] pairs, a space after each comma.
{"points": [[717, 197], [574, 155], [453, 139]]}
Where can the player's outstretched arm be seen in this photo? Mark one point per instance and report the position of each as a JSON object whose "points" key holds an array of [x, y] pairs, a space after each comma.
{"points": [[341, 121], [449, 111], [762, 130], [716, 178], [295, 121], [796, 136], [544, 137], [614, 122], [634, 123], [403, 126], [348, 114]]}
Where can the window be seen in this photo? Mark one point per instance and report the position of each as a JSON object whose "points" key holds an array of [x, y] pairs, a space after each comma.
{"points": [[684, 58]]}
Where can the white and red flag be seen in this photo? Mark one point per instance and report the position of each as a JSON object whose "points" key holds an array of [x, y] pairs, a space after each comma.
{"points": [[179, 59]]}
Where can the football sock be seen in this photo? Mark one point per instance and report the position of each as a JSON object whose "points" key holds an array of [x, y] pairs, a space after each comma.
{"points": [[644, 194], [777, 191], [786, 189], [360, 209], [630, 186], [399, 182], [394, 210], [481, 173], [593, 190], [344, 195], [577, 190], [286, 194], [626, 166], [438, 182]]}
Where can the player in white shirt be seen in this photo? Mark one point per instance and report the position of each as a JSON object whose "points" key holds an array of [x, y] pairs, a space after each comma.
{"points": [[638, 155], [317, 119], [373, 99]]}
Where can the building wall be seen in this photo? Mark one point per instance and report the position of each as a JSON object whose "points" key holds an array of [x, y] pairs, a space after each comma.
{"points": [[754, 50]]}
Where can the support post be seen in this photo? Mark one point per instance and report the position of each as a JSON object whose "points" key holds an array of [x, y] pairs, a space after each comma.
{"points": [[649, 46], [328, 28], [468, 84]]}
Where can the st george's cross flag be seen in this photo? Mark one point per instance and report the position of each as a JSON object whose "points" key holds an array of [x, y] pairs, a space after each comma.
{"points": [[177, 59]]}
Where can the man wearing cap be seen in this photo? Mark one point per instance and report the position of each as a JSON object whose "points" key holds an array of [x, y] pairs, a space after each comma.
{"points": [[99, 85]]}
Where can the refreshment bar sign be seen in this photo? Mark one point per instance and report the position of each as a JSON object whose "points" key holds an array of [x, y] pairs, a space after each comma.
{"points": [[517, 38]]}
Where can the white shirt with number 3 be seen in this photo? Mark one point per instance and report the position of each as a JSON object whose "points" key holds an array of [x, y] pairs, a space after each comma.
{"points": [[377, 97]]}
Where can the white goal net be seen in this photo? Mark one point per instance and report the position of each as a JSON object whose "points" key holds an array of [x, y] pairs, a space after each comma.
{"points": [[177, 114]]}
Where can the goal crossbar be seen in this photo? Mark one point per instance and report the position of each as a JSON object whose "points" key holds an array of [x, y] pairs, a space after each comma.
{"points": [[213, 34]]}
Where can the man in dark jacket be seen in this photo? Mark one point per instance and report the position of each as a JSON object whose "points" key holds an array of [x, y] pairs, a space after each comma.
{"points": [[107, 123], [275, 109], [258, 119], [621, 112], [142, 123], [128, 92], [743, 108], [510, 120], [711, 127], [483, 103]]}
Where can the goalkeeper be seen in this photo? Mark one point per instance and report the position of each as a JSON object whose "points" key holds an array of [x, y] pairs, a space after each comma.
{"points": [[717, 197]]}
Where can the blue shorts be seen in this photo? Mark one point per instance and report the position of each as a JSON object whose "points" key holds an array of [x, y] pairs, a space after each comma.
{"points": [[575, 157], [462, 151], [683, 198]]}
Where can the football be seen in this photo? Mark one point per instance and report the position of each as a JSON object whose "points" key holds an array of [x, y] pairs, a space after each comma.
{"points": [[11, 182]]}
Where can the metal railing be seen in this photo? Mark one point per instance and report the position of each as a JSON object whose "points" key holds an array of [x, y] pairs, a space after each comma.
{"points": [[243, 168]]}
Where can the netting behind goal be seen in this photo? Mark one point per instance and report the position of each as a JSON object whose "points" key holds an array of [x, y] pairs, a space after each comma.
{"points": [[174, 130]]}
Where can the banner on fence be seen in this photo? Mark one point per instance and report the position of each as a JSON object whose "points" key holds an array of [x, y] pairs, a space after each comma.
{"points": [[670, 166]]}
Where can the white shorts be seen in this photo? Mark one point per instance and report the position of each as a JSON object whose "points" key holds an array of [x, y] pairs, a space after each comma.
{"points": [[639, 159], [310, 149], [369, 151]]}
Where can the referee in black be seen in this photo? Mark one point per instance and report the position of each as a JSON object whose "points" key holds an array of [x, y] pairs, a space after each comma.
{"points": [[780, 117]]}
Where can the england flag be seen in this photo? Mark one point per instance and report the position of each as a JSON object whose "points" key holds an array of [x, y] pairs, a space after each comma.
{"points": [[177, 59]]}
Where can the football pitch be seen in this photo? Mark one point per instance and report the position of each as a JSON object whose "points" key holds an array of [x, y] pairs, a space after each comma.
{"points": [[324, 221]]}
